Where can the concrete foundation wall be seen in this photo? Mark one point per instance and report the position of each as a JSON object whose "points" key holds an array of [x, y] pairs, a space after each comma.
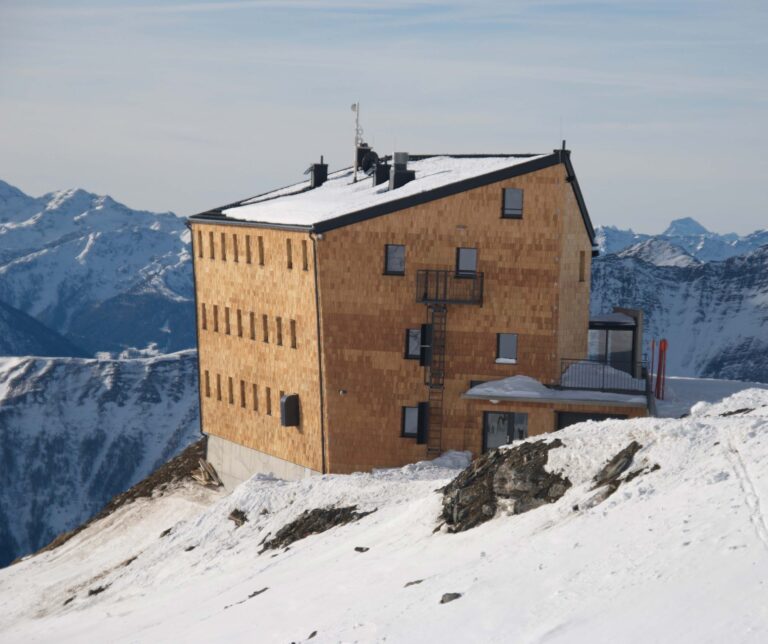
{"points": [[236, 463]]}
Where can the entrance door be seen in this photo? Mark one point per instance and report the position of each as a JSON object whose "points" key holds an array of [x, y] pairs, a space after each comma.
{"points": [[566, 418], [501, 428]]}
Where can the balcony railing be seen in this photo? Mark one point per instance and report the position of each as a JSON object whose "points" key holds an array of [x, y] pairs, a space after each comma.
{"points": [[446, 287], [614, 376]]}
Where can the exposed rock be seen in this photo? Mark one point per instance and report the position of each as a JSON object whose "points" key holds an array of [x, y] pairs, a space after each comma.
{"points": [[165, 532], [514, 477], [737, 412], [449, 597], [98, 590], [413, 583], [614, 468], [361, 549], [313, 522], [238, 516]]}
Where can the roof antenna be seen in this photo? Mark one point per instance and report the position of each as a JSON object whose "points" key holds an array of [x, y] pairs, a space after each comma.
{"points": [[358, 136]]}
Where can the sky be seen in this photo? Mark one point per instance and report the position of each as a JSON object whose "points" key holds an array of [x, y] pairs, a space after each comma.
{"points": [[184, 105]]}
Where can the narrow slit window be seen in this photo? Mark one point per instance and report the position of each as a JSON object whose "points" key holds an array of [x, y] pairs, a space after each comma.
{"points": [[289, 253], [265, 328], [512, 203], [203, 317], [253, 325], [223, 247], [394, 259], [212, 245], [235, 249], [304, 255], [227, 328], [255, 393], [242, 394], [247, 249], [216, 318], [231, 390], [218, 386], [207, 384], [239, 323], [199, 243], [261, 250], [293, 334], [582, 265], [279, 329], [268, 397]]}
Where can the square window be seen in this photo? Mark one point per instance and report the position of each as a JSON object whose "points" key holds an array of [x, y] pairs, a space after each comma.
{"points": [[512, 207], [410, 421], [466, 262], [394, 259], [413, 344], [506, 347]]}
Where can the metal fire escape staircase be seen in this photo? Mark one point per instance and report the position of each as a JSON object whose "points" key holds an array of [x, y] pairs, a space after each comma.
{"points": [[437, 289]]}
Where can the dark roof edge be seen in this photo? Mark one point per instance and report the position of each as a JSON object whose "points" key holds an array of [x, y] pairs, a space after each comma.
{"points": [[213, 218], [566, 154]]}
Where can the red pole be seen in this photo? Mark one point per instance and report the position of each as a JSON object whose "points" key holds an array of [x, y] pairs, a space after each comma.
{"points": [[663, 365]]}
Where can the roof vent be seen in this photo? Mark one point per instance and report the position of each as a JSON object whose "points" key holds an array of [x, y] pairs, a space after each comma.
{"points": [[399, 175], [380, 173], [318, 173]]}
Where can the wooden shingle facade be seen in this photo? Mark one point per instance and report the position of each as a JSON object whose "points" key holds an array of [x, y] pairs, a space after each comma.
{"points": [[310, 308]]}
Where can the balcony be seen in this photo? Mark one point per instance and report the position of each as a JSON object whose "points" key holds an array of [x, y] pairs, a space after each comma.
{"points": [[446, 287], [614, 376]]}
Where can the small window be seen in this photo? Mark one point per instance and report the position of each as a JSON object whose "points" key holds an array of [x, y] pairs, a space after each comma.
{"points": [[211, 244], [253, 325], [255, 392], [582, 265], [227, 328], [203, 317], [199, 243], [394, 259], [247, 249], [466, 262], [304, 255], [410, 421], [265, 328], [293, 334], [279, 328], [223, 247], [506, 348], [242, 394], [231, 390], [268, 398], [289, 253], [413, 344], [261, 250], [512, 207], [239, 323], [216, 318], [218, 386], [235, 249], [207, 384]]}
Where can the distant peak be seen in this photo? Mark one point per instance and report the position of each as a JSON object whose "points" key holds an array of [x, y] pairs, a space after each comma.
{"points": [[685, 226]]}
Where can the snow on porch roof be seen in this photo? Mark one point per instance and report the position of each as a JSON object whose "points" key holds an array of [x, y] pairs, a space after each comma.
{"points": [[339, 201], [526, 389]]}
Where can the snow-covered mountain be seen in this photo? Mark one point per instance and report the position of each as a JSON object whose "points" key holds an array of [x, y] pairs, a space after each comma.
{"points": [[687, 234], [714, 314], [75, 432], [22, 335], [102, 275], [675, 549]]}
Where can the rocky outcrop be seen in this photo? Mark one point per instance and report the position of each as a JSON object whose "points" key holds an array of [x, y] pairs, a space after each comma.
{"points": [[313, 522], [514, 478]]}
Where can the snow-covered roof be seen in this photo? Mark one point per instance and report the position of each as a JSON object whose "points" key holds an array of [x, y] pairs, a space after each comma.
{"points": [[299, 206], [526, 389]]}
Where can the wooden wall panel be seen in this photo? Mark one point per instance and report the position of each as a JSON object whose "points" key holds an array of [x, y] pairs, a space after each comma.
{"points": [[274, 290]]}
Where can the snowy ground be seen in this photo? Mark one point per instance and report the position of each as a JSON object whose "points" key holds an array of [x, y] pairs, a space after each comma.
{"points": [[676, 555]]}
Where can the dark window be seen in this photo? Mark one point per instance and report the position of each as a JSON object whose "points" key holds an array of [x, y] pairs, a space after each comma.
{"points": [[582, 265], [501, 428], [394, 259], [413, 344], [223, 247], [210, 243], [568, 418], [239, 323], [231, 390], [242, 394], [253, 325], [227, 328], [218, 386], [279, 327], [247, 249], [304, 255], [512, 208], [268, 397], [261, 251], [293, 334], [265, 328], [216, 318], [204, 317], [255, 388], [466, 262], [410, 421], [235, 248], [289, 252], [207, 384], [199, 243], [506, 346]]}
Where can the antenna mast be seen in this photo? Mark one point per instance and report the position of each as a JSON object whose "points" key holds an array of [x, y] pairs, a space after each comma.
{"points": [[358, 137]]}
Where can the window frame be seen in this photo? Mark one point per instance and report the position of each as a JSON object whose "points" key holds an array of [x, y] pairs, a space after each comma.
{"points": [[465, 274], [403, 413], [406, 351], [503, 359], [512, 215], [387, 271]]}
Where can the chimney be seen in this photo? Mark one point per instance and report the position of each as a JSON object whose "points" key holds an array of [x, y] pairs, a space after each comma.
{"points": [[399, 174], [318, 173], [381, 173]]}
